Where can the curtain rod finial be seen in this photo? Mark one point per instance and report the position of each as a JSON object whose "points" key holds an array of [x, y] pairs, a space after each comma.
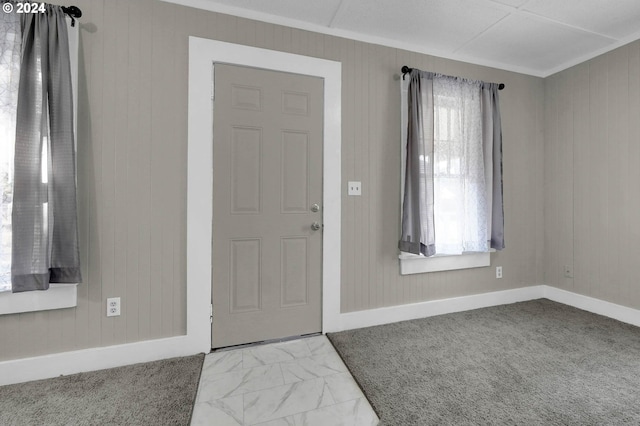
{"points": [[73, 11]]}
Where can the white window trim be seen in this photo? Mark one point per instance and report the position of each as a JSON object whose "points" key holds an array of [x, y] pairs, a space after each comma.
{"points": [[417, 264], [58, 296]]}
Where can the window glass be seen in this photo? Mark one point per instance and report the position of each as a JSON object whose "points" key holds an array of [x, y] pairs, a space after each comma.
{"points": [[9, 77]]}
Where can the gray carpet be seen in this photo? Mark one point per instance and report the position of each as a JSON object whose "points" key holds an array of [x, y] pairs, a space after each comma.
{"points": [[530, 363], [153, 393]]}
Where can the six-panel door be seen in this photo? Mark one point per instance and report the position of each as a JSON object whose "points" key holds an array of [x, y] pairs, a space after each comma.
{"points": [[267, 176]]}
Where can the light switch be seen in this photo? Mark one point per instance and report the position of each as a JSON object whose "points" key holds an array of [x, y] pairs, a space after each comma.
{"points": [[355, 188]]}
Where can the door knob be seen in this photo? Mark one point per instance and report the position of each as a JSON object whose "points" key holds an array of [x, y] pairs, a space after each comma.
{"points": [[315, 226]]}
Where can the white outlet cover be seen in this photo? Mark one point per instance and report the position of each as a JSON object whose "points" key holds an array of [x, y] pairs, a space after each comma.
{"points": [[354, 188], [113, 307]]}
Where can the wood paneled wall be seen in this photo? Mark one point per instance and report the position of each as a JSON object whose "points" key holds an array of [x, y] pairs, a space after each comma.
{"points": [[132, 141], [592, 177]]}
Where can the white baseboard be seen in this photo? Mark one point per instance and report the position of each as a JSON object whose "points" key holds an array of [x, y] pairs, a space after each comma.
{"points": [[392, 314], [430, 308], [590, 304], [64, 363], [47, 366]]}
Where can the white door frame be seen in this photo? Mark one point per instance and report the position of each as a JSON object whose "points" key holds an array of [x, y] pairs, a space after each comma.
{"points": [[203, 53]]}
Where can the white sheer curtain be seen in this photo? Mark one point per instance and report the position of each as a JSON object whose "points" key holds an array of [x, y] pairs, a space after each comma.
{"points": [[9, 78], [460, 196]]}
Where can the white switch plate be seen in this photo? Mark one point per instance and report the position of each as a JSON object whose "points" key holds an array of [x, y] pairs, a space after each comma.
{"points": [[355, 188]]}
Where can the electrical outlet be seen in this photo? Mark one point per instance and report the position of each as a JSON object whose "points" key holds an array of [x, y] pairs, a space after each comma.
{"points": [[113, 307], [568, 271], [355, 188], [498, 271]]}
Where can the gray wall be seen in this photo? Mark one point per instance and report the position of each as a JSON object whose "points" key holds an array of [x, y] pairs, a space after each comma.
{"points": [[132, 174], [592, 177]]}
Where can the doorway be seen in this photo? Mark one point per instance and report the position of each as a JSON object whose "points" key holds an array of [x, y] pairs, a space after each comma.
{"points": [[203, 53]]}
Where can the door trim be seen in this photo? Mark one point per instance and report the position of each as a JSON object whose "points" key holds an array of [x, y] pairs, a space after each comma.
{"points": [[203, 53]]}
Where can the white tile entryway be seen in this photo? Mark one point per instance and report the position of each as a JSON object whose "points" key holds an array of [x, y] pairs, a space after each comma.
{"points": [[293, 383]]}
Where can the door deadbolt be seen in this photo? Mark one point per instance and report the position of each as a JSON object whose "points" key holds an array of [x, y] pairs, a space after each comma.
{"points": [[315, 208]]}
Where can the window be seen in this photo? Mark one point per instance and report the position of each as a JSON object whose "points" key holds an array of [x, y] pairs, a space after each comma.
{"points": [[61, 295], [455, 197]]}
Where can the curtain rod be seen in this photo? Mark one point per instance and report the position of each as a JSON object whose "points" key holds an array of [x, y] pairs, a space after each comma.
{"points": [[405, 69], [74, 12]]}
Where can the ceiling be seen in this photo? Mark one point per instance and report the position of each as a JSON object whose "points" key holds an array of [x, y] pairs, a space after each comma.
{"points": [[536, 37]]}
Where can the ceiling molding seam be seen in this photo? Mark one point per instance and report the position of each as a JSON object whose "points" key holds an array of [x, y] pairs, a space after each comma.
{"points": [[339, 11]]}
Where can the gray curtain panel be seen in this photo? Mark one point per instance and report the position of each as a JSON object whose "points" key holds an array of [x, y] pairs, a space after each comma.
{"points": [[418, 233], [492, 138], [45, 236]]}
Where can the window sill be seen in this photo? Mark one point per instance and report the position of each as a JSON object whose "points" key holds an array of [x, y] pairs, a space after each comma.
{"points": [[414, 264], [59, 296]]}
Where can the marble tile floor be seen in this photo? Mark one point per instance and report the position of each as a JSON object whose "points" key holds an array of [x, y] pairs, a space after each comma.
{"points": [[295, 383]]}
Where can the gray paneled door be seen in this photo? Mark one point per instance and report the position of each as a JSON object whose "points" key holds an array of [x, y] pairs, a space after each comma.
{"points": [[267, 215]]}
